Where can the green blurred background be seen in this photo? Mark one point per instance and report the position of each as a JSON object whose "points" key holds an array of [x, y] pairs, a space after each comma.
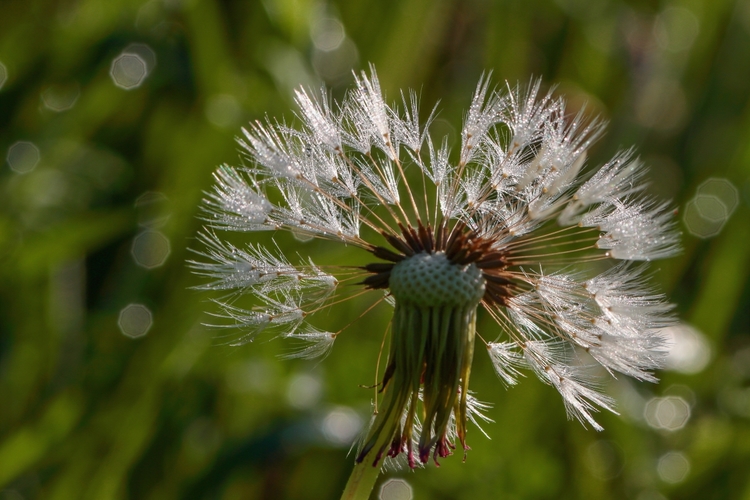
{"points": [[113, 115]]}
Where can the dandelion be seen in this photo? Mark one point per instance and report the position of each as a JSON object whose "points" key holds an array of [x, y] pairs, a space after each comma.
{"points": [[516, 225]]}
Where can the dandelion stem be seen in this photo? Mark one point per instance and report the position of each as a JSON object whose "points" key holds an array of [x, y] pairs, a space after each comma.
{"points": [[362, 480]]}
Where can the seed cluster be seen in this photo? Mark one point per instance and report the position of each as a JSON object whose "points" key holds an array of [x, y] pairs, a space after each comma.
{"points": [[459, 246], [431, 280]]}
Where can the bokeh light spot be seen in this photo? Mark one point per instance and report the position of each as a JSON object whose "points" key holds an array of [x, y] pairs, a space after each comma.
{"points": [[223, 110], [48, 187], [23, 157], [723, 190], [650, 495], [327, 33], [676, 28], [150, 249], [60, 98], [673, 467], [341, 425], [396, 489], [336, 64], [736, 400], [662, 105], [135, 320], [741, 362], [304, 391], [689, 351], [3, 75], [604, 459], [144, 52], [697, 225], [150, 14], [152, 209], [709, 210], [253, 376], [670, 413], [128, 71]]}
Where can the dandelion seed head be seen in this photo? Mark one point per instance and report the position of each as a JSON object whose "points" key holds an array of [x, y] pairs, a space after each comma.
{"points": [[507, 223]]}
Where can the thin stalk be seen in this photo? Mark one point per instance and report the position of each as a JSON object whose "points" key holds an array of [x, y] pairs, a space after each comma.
{"points": [[362, 479]]}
